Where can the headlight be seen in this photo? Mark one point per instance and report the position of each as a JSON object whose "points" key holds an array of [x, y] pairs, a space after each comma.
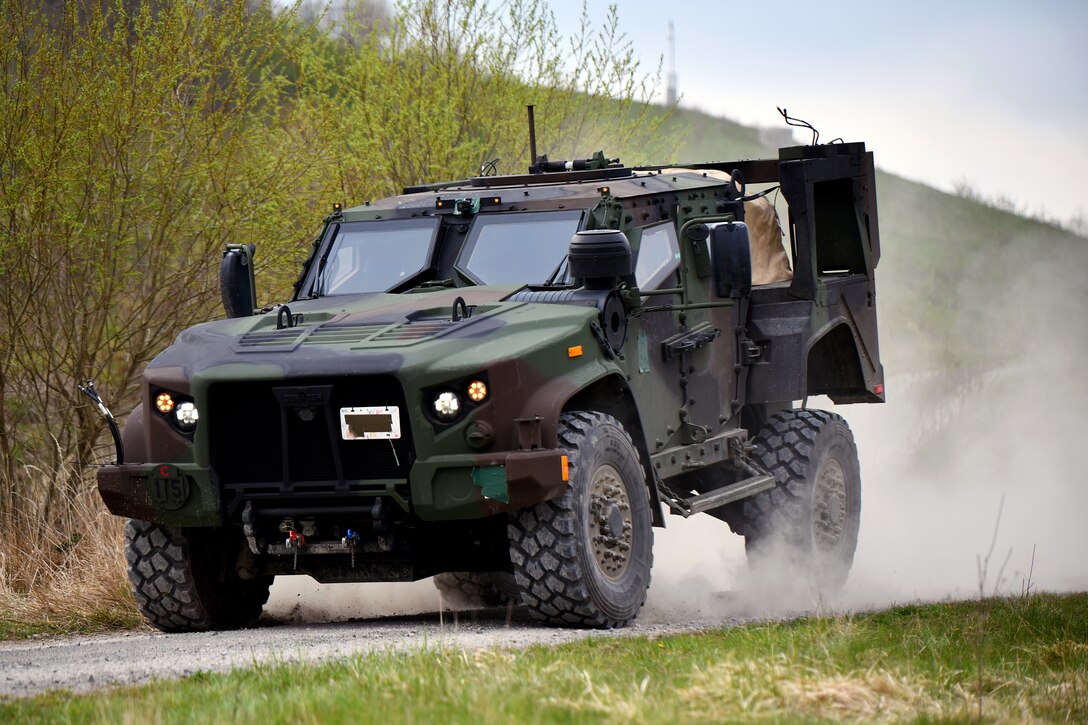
{"points": [[186, 415], [447, 406], [452, 401]]}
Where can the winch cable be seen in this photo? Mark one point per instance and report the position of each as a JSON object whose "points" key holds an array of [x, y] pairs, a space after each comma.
{"points": [[91, 393]]}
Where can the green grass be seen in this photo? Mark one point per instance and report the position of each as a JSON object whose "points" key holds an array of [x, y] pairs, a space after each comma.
{"points": [[915, 662], [15, 626]]}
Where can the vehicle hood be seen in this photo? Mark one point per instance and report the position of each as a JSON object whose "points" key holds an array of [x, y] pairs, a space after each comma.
{"points": [[374, 334]]}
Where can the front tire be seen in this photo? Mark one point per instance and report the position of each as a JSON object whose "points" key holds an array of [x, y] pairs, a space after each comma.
{"points": [[584, 558], [808, 523], [184, 579]]}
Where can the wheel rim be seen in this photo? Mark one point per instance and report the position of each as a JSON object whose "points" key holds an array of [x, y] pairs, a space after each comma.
{"points": [[829, 507], [610, 529]]}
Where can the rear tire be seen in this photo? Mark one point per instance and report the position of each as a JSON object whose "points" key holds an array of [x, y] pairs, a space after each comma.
{"points": [[184, 580], [477, 588], [584, 558], [808, 523]]}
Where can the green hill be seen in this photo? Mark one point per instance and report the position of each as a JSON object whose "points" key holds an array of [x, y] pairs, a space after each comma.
{"points": [[961, 285]]}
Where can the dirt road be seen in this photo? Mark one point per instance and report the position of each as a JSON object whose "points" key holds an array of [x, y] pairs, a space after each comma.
{"points": [[89, 662], [309, 621]]}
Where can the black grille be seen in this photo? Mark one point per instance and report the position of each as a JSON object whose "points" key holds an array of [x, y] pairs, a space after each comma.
{"points": [[249, 430]]}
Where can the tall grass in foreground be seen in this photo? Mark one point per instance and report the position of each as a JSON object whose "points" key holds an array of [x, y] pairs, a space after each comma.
{"points": [[64, 579], [913, 663]]}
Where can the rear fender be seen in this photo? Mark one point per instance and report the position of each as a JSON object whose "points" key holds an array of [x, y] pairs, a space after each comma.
{"points": [[834, 366]]}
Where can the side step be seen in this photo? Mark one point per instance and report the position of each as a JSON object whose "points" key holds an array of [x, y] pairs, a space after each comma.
{"points": [[757, 483]]}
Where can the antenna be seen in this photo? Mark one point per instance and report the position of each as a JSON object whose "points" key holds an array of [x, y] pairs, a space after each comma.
{"points": [[532, 136], [671, 92]]}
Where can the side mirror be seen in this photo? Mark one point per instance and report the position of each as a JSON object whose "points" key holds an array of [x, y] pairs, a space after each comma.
{"points": [[236, 280], [732, 259]]}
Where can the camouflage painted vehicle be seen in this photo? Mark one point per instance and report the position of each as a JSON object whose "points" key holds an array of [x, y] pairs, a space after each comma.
{"points": [[505, 381]]}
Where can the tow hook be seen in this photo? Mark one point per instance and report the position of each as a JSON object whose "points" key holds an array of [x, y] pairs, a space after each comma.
{"points": [[295, 541], [349, 541]]}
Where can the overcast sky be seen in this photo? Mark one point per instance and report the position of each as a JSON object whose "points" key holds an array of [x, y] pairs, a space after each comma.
{"points": [[994, 93]]}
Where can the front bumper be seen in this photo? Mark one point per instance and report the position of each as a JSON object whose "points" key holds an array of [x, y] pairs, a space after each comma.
{"points": [[444, 488], [166, 493], [473, 485]]}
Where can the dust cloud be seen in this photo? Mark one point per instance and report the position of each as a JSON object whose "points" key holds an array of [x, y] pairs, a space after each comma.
{"points": [[301, 599], [1014, 451], [984, 431], [981, 450]]}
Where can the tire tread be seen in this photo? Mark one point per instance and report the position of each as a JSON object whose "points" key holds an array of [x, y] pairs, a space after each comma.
{"points": [[787, 448], [167, 589], [543, 544]]}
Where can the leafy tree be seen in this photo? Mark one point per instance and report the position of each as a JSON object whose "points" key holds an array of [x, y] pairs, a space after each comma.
{"points": [[127, 162], [136, 139], [441, 88]]}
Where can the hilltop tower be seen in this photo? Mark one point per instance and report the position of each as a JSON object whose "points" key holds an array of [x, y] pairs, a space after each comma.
{"points": [[671, 88]]}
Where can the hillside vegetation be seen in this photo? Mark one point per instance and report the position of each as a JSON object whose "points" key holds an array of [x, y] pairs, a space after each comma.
{"points": [[958, 279]]}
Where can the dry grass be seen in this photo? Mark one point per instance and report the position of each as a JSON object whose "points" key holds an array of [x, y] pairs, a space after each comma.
{"points": [[63, 575], [625, 704], [776, 686]]}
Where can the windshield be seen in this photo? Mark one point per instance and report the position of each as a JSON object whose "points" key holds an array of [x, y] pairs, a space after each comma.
{"points": [[375, 256], [519, 248]]}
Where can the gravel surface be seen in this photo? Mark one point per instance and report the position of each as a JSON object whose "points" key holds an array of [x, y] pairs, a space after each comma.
{"points": [[85, 663], [305, 620]]}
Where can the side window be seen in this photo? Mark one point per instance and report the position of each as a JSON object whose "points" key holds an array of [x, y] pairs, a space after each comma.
{"points": [[658, 255]]}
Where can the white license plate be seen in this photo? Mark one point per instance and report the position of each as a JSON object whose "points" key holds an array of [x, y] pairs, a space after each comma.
{"points": [[369, 423]]}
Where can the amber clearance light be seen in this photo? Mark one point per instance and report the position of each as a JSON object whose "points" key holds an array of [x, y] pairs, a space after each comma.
{"points": [[477, 391], [164, 402]]}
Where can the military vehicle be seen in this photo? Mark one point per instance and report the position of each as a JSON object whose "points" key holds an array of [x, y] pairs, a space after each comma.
{"points": [[505, 381]]}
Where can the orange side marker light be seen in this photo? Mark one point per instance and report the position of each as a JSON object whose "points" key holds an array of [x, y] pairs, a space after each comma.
{"points": [[565, 463], [477, 391], [574, 351]]}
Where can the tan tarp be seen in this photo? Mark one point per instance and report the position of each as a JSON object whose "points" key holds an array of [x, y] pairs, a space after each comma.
{"points": [[770, 263]]}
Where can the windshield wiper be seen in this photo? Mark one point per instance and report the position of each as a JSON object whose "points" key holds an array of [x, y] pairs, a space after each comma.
{"points": [[435, 283], [318, 289], [560, 270]]}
